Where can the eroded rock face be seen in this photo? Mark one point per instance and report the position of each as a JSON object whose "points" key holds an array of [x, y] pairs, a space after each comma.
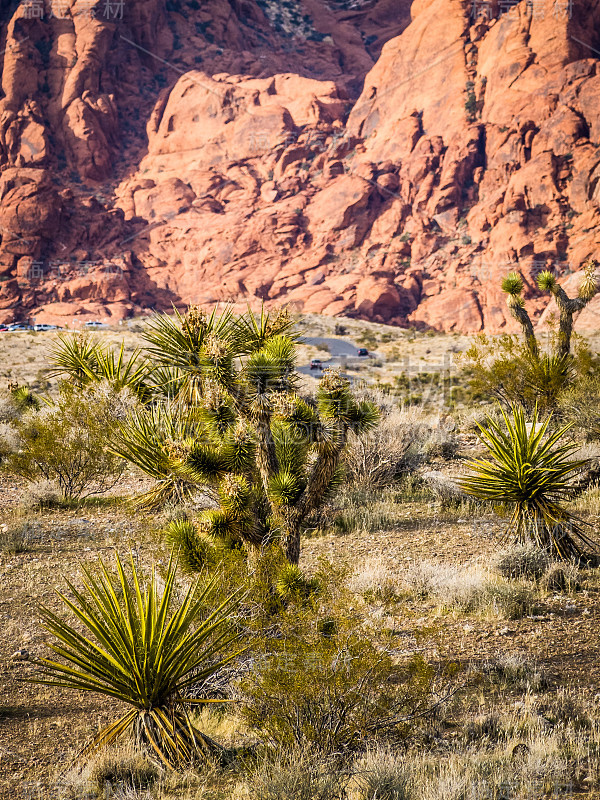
{"points": [[388, 162]]}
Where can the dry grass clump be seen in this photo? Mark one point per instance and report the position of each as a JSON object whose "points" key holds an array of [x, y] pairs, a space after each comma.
{"points": [[470, 589], [381, 775], [297, 776], [561, 579], [15, 539], [123, 770], [523, 561], [42, 494]]}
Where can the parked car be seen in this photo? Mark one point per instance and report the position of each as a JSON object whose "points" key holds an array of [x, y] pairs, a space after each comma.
{"points": [[19, 326], [316, 363], [362, 352], [95, 324], [43, 327], [3, 328]]}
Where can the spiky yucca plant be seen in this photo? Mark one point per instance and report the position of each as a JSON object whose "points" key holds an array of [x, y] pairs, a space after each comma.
{"points": [[142, 648], [84, 361], [529, 473]]}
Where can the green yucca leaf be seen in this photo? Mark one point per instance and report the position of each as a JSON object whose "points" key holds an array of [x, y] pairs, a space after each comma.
{"points": [[25, 399], [83, 361], [252, 333], [235, 495], [512, 284], [204, 463], [145, 439], [238, 450], [218, 413], [75, 357], [139, 647], [220, 523], [546, 281], [194, 551], [285, 488], [178, 343], [589, 286], [291, 583], [363, 417], [291, 450]]}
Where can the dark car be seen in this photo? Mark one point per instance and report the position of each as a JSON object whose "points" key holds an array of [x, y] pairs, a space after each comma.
{"points": [[316, 363], [362, 352]]}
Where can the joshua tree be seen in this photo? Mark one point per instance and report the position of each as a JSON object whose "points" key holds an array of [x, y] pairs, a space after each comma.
{"points": [[513, 286], [268, 456]]}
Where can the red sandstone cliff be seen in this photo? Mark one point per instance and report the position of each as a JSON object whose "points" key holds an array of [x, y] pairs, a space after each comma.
{"points": [[356, 157]]}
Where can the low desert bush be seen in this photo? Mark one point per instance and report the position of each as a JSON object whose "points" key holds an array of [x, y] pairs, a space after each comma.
{"points": [[41, 494], [65, 443], [561, 578], [333, 693], [126, 770], [379, 458]]}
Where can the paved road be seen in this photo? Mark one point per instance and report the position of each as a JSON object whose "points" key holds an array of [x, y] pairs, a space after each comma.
{"points": [[338, 349]]}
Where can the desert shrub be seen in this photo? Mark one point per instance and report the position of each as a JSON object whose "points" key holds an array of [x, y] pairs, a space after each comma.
{"points": [[469, 589], [385, 453], [445, 489], [298, 776], [65, 442], [333, 694], [580, 405], [513, 672], [9, 440], [523, 561]]}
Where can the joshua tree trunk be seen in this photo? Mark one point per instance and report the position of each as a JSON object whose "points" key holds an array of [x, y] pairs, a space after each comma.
{"points": [[567, 308], [522, 317]]}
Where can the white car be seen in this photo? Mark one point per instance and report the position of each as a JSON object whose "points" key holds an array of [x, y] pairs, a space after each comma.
{"points": [[43, 327], [95, 324]]}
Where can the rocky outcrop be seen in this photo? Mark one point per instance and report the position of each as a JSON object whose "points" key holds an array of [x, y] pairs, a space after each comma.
{"points": [[387, 162]]}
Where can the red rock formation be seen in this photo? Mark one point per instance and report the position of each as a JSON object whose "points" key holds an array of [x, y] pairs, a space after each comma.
{"points": [[375, 164]]}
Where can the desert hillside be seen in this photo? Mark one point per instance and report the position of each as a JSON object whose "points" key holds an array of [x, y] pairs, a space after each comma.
{"points": [[367, 158]]}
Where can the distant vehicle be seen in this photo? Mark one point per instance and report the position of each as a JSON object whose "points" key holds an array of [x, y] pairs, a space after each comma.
{"points": [[43, 327], [362, 352], [19, 326], [3, 328], [316, 363], [95, 324]]}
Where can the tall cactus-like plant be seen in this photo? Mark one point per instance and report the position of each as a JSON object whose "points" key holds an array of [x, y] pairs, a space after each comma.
{"points": [[267, 455], [512, 285]]}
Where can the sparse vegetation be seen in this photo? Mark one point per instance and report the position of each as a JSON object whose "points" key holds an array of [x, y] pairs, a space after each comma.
{"points": [[410, 654]]}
